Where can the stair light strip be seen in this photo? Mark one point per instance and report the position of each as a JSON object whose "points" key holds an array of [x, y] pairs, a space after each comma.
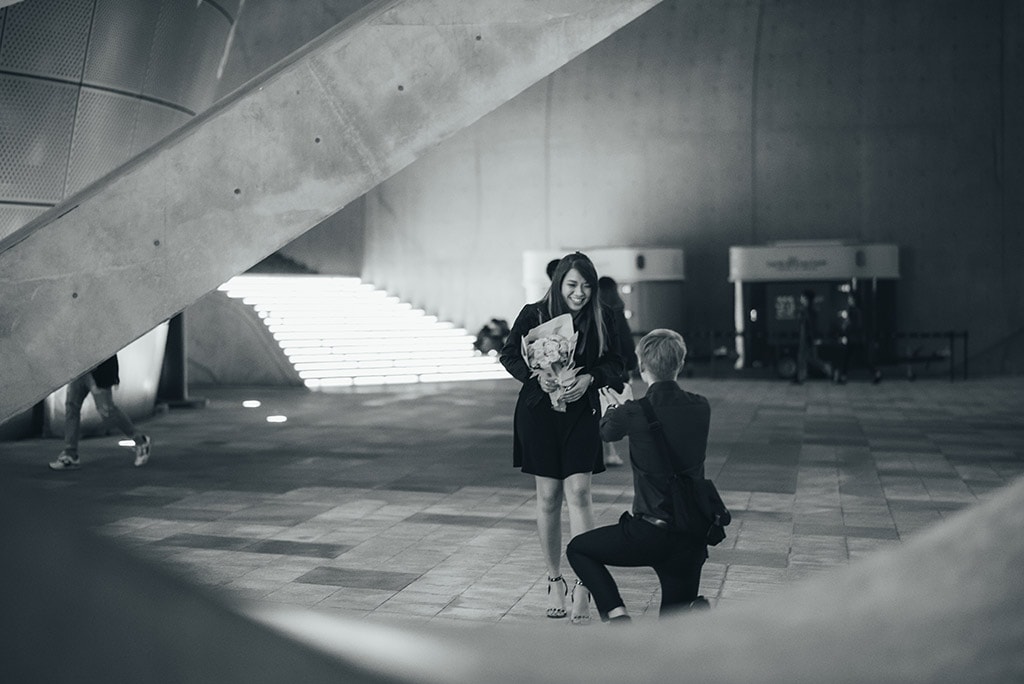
{"points": [[400, 345], [341, 332]]}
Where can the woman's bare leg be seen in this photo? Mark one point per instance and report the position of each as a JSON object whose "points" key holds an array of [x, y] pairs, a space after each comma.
{"points": [[549, 528], [581, 519], [581, 503], [549, 522]]}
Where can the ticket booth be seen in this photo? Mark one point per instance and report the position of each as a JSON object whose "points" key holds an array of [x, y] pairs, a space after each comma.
{"points": [[768, 281], [650, 279]]}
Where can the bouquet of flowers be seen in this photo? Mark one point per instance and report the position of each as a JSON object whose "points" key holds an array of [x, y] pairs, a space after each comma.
{"points": [[548, 350]]}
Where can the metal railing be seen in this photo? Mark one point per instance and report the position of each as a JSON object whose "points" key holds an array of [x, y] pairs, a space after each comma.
{"points": [[715, 347], [918, 355]]}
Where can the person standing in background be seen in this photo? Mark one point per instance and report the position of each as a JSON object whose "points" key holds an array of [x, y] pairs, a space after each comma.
{"points": [[807, 343], [853, 340], [552, 265], [608, 293]]}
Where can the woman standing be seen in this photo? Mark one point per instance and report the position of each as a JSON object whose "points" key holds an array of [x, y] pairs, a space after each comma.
{"points": [[563, 449]]}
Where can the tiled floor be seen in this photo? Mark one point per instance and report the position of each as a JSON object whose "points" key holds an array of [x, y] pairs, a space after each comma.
{"points": [[403, 506]]}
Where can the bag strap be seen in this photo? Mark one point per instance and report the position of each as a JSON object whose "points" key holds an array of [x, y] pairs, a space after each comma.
{"points": [[680, 482], [704, 491], [659, 435], [662, 441]]}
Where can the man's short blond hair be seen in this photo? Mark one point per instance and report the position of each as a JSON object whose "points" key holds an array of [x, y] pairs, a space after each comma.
{"points": [[662, 353]]}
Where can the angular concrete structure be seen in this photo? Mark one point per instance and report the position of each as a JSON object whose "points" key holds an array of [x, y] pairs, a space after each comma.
{"points": [[263, 166]]}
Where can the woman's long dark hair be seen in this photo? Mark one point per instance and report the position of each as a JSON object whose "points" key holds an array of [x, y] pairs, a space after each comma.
{"points": [[554, 303]]}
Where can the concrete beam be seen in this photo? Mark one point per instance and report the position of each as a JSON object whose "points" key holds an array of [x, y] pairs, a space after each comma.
{"points": [[263, 166]]}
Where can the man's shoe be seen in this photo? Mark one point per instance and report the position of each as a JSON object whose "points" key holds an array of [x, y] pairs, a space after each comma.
{"points": [[65, 461], [142, 449]]}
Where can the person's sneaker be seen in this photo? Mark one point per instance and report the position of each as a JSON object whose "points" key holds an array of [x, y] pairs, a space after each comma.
{"points": [[65, 461], [142, 449]]}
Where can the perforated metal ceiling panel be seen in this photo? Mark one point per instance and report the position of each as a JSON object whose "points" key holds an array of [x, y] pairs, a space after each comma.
{"points": [[208, 43], [87, 83], [46, 38], [38, 118], [228, 7], [103, 128], [122, 37], [14, 217], [186, 50], [155, 122]]}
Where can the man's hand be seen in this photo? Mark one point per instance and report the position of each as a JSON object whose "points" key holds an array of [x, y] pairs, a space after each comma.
{"points": [[613, 398]]}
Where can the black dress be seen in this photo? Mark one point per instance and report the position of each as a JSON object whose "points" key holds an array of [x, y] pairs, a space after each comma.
{"points": [[546, 442]]}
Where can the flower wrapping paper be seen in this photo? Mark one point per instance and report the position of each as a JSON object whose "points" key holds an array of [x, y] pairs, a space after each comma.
{"points": [[548, 350]]}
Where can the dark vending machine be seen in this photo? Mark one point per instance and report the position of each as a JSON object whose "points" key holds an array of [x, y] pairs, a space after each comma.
{"points": [[850, 285]]}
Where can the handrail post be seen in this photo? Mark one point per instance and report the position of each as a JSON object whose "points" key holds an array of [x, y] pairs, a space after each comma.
{"points": [[952, 355], [711, 342], [965, 354]]}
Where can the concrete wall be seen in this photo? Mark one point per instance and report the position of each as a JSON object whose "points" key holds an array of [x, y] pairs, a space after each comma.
{"points": [[710, 123], [707, 124], [228, 344]]}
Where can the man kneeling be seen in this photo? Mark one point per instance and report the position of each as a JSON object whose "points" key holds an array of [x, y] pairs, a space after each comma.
{"points": [[646, 537]]}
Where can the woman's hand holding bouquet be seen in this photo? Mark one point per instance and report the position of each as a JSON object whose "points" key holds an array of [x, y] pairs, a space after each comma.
{"points": [[548, 350]]}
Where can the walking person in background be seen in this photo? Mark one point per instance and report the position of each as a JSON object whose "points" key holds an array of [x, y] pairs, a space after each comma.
{"points": [[646, 536], [807, 343], [99, 382], [608, 293], [853, 340], [562, 449]]}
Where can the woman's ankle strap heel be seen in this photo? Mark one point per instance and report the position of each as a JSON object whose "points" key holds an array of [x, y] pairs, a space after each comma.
{"points": [[558, 612], [581, 616]]}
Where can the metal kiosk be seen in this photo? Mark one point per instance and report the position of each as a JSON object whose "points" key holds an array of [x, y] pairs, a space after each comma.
{"points": [[768, 281]]}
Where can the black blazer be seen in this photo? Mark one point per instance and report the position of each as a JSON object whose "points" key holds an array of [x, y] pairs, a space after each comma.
{"points": [[606, 368]]}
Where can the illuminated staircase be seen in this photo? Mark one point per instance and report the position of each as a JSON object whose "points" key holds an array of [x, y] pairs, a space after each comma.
{"points": [[341, 332]]}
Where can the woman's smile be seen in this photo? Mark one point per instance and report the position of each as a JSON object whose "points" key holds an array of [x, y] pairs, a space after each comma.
{"points": [[576, 290]]}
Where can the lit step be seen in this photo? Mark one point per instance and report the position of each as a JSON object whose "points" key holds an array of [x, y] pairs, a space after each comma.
{"points": [[325, 361], [383, 344], [341, 332], [356, 321], [354, 368], [325, 383], [329, 334]]}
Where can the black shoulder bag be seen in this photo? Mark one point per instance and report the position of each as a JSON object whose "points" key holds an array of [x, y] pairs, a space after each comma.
{"points": [[697, 508]]}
